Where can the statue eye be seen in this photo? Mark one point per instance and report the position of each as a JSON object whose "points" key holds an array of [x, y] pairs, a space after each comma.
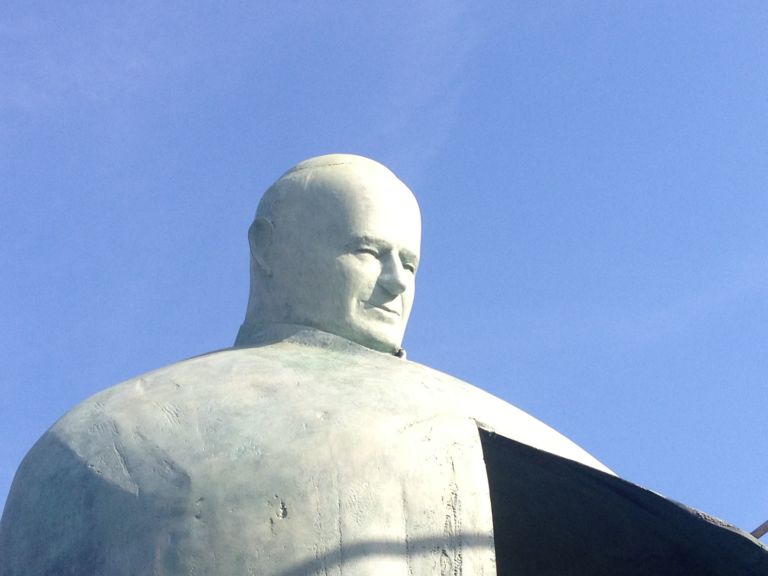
{"points": [[410, 267], [367, 250]]}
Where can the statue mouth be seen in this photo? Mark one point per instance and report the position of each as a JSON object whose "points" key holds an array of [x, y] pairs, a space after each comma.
{"points": [[389, 310]]}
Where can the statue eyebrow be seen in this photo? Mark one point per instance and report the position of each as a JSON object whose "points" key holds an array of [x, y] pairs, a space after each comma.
{"points": [[365, 239]]}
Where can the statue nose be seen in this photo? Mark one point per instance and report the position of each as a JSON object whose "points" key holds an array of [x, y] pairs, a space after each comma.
{"points": [[394, 277]]}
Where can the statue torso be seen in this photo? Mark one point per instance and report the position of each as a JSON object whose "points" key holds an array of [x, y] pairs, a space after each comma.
{"points": [[295, 457]]}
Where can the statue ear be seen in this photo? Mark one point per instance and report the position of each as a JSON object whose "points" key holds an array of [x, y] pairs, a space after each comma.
{"points": [[260, 239]]}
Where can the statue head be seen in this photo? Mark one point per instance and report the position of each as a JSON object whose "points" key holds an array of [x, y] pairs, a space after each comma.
{"points": [[335, 246]]}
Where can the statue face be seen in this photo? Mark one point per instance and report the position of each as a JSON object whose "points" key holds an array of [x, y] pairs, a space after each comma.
{"points": [[353, 248]]}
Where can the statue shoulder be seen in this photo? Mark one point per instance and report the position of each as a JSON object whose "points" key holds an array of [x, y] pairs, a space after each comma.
{"points": [[118, 454], [501, 417]]}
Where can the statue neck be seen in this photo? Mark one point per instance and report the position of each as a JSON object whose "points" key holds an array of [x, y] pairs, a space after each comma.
{"points": [[255, 334]]}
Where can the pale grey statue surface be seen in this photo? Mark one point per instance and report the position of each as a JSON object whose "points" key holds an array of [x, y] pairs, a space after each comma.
{"points": [[311, 447]]}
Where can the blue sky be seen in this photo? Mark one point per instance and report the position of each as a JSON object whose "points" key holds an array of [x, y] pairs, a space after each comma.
{"points": [[592, 176]]}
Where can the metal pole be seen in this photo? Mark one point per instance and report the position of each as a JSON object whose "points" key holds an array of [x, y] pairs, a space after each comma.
{"points": [[761, 530]]}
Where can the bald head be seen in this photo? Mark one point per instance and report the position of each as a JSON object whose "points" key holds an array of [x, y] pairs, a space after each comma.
{"points": [[335, 246]]}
